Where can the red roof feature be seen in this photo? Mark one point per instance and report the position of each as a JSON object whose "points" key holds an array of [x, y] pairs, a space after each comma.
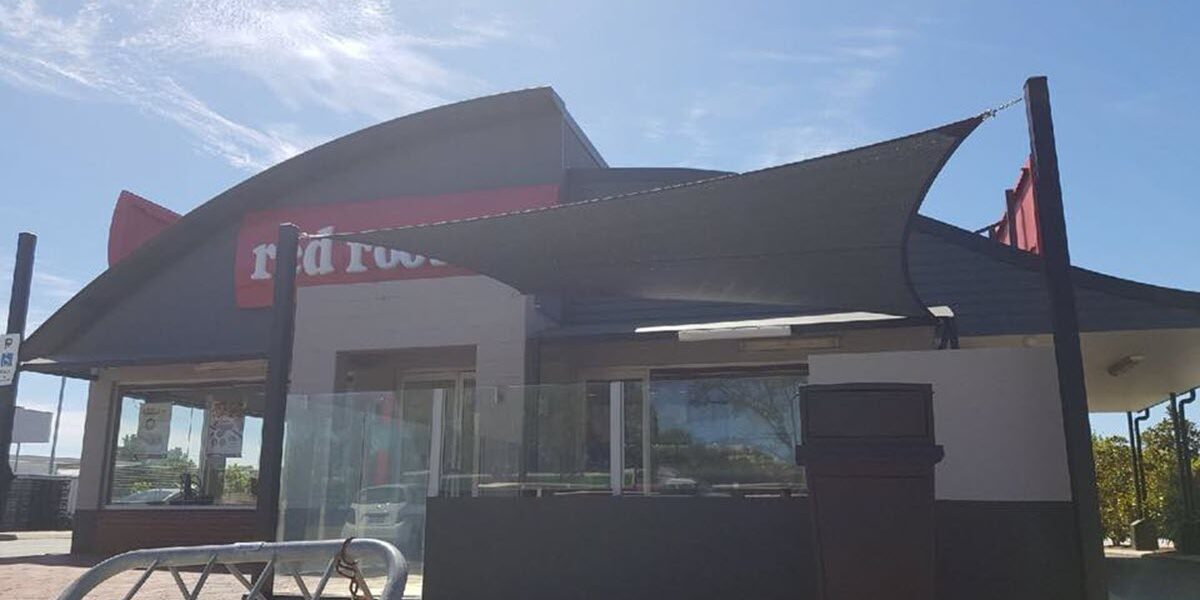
{"points": [[1018, 228], [135, 221]]}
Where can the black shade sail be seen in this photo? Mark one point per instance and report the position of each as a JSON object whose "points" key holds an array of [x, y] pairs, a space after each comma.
{"points": [[822, 234]]}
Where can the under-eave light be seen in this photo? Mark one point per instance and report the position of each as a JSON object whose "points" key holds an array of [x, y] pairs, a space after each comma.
{"points": [[1124, 364], [735, 333]]}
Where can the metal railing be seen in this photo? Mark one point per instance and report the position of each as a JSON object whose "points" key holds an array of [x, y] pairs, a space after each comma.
{"points": [[280, 558]]}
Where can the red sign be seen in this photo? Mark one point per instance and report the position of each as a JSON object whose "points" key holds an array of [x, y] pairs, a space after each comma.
{"points": [[325, 262]]}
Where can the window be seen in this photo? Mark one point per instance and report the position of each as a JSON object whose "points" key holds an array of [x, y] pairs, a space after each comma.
{"points": [[726, 433], [187, 446]]}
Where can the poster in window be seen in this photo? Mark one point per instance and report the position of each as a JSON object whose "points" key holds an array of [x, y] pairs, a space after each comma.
{"points": [[154, 429], [226, 421]]}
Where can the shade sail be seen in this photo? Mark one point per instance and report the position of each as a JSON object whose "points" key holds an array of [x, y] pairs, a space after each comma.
{"points": [[822, 234]]}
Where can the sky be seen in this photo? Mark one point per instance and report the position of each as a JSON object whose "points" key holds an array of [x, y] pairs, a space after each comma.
{"points": [[177, 101]]}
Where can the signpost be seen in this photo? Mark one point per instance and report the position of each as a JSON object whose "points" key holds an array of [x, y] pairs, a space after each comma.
{"points": [[10, 345], [18, 310]]}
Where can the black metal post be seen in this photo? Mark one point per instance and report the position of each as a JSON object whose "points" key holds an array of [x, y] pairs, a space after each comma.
{"points": [[279, 368], [1177, 446], [1133, 463], [1183, 443], [1137, 434], [18, 311], [1052, 229]]}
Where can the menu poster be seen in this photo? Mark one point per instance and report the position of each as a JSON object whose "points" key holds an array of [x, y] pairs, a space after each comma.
{"points": [[226, 421], [154, 429]]}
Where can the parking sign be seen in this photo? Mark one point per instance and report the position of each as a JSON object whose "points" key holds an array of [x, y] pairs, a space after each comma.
{"points": [[8, 357]]}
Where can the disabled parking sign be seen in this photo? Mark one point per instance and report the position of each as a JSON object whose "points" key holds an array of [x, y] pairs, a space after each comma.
{"points": [[9, 347]]}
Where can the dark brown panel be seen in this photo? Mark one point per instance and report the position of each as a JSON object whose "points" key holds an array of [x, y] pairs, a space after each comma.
{"points": [[629, 548], [867, 413], [108, 532], [869, 454], [1006, 551], [875, 537]]}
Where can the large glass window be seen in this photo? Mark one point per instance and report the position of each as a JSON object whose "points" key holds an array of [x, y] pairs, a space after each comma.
{"points": [[187, 446], [725, 433]]}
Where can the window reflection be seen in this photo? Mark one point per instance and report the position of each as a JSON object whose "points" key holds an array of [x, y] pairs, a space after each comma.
{"points": [[726, 435], [187, 446]]}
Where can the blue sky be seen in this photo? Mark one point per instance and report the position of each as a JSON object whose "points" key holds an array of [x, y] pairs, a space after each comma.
{"points": [[177, 103]]}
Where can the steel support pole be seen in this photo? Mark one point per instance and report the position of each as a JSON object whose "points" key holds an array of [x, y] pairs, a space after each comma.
{"points": [[1173, 412], [1133, 464], [62, 390], [18, 310], [279, 367], [1052, 229], [616, 437], [1185, 447], [1142, 417]]}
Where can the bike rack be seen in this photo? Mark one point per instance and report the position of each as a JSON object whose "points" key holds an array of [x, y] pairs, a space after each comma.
{"points": [[283, 558]]}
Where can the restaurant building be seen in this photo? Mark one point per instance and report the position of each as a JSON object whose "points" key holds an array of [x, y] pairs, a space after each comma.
{"points": [[566, 423]]}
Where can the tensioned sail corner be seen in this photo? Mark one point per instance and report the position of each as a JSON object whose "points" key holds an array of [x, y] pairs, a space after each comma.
{"points": [[827, 233]]}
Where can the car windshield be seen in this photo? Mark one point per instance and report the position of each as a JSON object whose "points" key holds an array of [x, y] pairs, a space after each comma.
{"points": [[382, 495]]}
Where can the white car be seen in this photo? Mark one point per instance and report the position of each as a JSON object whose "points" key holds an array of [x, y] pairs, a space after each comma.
{"points": [[151, 496], [393, 513]]}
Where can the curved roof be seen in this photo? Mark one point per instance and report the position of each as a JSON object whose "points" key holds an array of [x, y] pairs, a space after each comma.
{"points": [[994, 289], [406, 135]]}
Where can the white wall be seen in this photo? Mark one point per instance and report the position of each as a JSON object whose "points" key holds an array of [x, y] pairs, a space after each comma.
{"points": [[996, 413], [419, 313]]}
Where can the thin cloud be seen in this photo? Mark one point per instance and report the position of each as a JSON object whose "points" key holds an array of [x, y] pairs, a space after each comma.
{"points": [[48, 290], [837, 74], [352, 57], [800, 142]]}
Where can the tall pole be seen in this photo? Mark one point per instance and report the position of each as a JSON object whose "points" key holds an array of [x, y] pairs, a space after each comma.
{"points": [[62, 388], [1056, 260], [279, 368], [18, 310], [1137, 435], [1185, 453], [1135, 466]]}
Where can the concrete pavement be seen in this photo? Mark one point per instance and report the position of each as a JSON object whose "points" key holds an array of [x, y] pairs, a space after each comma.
{"points": [[37, 566]]}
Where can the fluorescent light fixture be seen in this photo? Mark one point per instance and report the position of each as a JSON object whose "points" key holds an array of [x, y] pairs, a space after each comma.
{"points": [[792, 343], [1125, 364], [944, 312], [734, 333], [842, 317]]}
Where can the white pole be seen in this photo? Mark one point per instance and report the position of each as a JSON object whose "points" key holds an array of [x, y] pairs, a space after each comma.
{"points": [[436, 432], [616, 437], [62, 388]]}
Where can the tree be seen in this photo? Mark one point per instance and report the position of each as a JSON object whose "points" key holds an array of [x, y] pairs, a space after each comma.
{"points": [[1114, 477], [1163, 499], [238, 482], [135, 472]]}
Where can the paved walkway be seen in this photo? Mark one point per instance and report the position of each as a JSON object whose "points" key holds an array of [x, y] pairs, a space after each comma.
{"points": [[36, 566], [1153, 576]]}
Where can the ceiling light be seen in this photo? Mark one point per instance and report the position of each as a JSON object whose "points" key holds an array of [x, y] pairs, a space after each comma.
{"points": [[1126, 363]]}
